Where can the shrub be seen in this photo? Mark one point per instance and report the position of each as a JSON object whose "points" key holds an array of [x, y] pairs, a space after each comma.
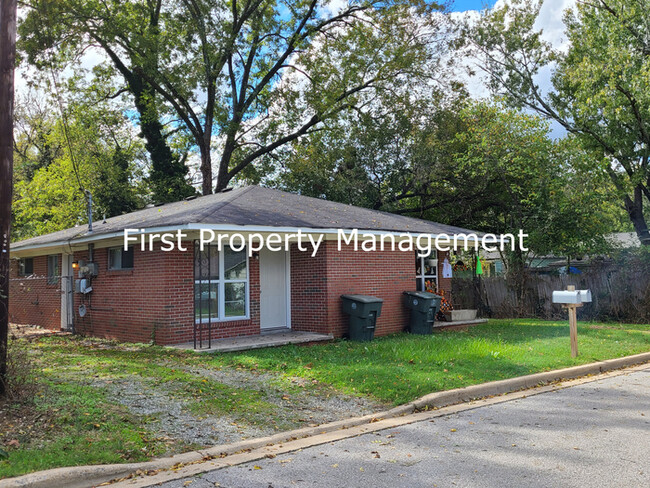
{"points": [[20, 382]]}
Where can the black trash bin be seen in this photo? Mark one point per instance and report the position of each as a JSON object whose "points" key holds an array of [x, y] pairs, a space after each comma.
{"points": [[363, 311], [424, 307]]}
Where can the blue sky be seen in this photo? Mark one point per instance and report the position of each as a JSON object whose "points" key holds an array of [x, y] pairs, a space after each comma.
{"points": [[462, 5]]}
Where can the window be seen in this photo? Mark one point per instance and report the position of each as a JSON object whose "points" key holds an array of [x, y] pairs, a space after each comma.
{"points": [[26, 266], [53, 269], [220, 284], [118, 258], [426, 271]]}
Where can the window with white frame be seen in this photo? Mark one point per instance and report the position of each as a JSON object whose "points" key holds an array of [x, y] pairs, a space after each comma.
{"points": [[220, 284], [53, 269], [426, 271]]}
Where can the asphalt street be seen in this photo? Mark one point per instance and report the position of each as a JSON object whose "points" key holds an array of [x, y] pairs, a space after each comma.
{"points": [[595, 434]]}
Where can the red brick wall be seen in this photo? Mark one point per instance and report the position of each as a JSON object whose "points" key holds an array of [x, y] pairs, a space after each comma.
{"points": [[128, 305], [32, 300], [155, 300], [309, 290], [180, 303], [318, 283]]}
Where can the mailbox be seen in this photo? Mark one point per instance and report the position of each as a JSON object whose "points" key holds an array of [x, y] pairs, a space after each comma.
{"points": [[564, 296], [572, 296], [572, 299]]}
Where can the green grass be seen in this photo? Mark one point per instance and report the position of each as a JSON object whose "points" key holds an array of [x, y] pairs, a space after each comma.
{"points": [[78, 427], [76, 424], [403, 367], [72, 422]]}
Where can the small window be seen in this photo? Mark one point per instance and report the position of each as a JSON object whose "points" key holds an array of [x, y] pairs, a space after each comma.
{"points": [[53, 269], [118, 258], [26, 266]]}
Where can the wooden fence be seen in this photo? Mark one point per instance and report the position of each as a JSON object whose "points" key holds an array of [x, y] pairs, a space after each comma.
{"points": [[619, 293]]}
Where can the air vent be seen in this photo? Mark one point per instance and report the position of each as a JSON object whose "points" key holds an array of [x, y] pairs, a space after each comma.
{"points": [[226, 190], [191, 197]]}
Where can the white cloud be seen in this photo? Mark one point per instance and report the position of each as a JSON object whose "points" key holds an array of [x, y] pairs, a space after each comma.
{"points": [[550, 22]]}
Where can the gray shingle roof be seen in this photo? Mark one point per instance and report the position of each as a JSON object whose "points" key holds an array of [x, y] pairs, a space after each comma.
{"points": [[251, 206]]}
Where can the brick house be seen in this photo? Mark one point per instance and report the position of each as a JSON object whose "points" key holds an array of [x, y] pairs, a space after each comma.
{"points": [[169, 296]]}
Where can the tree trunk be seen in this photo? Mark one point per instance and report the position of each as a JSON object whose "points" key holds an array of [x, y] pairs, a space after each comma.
{"points": [[7, 63], [168, 172], [634, 209], [223, 178], [206, 165]]}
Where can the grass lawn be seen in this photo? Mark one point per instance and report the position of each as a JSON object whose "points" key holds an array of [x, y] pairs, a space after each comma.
{"points": [[403, 367], [76, 417]]}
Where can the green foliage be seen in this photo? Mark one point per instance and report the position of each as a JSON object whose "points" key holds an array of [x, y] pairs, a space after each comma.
{"points": [[600, 83], [476, 165], [240, 79], [49, 181], [531, 182]]}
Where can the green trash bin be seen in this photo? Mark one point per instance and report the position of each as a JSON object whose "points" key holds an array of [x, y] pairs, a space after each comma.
{"points": [[363, 311], [423, 311]]}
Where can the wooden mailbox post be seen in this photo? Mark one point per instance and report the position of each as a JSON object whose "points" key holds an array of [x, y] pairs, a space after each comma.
{"points": [[573, 322], [572, 299]]}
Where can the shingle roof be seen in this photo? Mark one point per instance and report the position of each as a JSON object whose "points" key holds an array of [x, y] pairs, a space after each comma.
{"points": [[251, 206]]}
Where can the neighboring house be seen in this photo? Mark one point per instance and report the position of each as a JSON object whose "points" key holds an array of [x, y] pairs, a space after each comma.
{"points": [[552, 264], [166, 297]]}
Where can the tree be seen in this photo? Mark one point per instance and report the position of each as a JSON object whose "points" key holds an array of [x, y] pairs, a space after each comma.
{"points": [[56, 34], [600, 83], [477, 165], [244, 77], [93, 151]]}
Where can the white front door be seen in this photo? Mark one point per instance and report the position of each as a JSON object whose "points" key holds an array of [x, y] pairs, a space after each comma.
{"points": [[274, 290], [67, 289]]}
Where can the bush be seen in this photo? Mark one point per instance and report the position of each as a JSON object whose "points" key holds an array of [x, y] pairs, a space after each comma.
{"points": [[20, 382]]}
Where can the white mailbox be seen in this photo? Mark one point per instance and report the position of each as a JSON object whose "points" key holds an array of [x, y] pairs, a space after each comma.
{"points": [[565, 296], [585, 296]]}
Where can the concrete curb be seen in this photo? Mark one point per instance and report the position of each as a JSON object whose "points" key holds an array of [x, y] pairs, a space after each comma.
{"points": [[89, 476]]}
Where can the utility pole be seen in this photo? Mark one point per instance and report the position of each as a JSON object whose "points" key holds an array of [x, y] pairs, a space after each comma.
{"points": [[7, 64]]}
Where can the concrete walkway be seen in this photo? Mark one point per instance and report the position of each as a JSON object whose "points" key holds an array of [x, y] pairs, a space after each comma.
{"points": [[595, 434]]}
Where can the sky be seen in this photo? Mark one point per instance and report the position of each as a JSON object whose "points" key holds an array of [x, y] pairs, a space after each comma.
{"points": [[463, 5], [550, 20]]}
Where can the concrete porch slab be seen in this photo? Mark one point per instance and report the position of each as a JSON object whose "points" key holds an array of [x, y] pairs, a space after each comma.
{"points": [[267, 339], [458, 324]]}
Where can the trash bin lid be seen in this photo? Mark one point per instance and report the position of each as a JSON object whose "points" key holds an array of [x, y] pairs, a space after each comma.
{"points": [[424, 295], [363, 298]]}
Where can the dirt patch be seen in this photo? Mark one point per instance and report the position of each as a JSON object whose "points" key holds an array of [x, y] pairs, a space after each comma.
{"points": [[29, 331], [300, 403], [168, 415]]}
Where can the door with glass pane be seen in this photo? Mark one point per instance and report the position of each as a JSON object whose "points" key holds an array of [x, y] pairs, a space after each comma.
{"points": [[426, 271], [274, 289]]}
